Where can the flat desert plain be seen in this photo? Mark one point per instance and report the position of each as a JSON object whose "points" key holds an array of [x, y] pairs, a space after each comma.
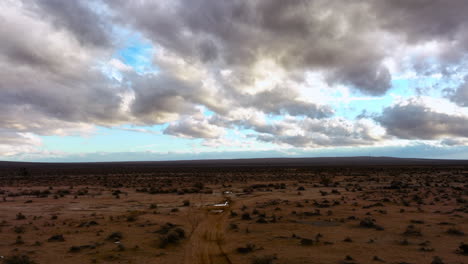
{"points": [[262, 211]]}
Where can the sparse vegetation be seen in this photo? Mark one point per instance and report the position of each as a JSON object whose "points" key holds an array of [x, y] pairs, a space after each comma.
{"points": [[414, 204], [263, 260], [18, 259]]}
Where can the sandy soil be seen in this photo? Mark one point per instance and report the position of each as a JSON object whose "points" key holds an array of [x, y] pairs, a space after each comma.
{"points": [[309, 217]]}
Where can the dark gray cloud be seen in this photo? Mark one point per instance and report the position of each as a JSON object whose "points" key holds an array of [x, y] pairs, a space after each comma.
{"points": [[460, 94], [15, 139], [93, 99], [415, 119], [160, 98], [422, 21], [311, 132], [49, 81], [77, 16], [295, 34], [283, 101], [194, 128], [454, 142]]}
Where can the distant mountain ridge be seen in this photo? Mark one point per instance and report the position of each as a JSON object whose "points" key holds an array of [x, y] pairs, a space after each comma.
{"points": [[317, 161]]}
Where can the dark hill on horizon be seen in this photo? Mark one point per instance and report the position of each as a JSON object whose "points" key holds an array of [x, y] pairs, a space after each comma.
{"points": [[219, 165], [302, 162]]}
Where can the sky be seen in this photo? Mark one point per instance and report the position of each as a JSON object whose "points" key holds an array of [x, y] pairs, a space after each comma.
{"points": [[116, 80]]}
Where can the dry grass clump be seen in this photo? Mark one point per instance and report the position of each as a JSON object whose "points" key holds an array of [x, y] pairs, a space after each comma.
{"points": [[18, 259]]}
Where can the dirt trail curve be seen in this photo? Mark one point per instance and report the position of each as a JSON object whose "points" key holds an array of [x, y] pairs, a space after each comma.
{"points": [[205, 245]]}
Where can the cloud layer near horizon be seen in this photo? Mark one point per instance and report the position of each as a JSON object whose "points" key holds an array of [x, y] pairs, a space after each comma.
{"points": [[263, 67]]}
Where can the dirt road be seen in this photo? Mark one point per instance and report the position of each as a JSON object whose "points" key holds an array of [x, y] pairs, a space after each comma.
{"points": [[205, 244]]}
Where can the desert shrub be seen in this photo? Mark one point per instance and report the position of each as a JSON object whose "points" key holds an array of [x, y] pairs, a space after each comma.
{"points": [[19, 259], [369, 223], [307, 242], [263, 260], [463, 248], [74, 249], [314, 213], [56, 238], [233, 226], [246, 216], [170, 238], [170, 234], [18, 229], [325, 180], [376, 258], [116, 236], [455, 231], [437, 260], [19, 240], [88, 224], [404, 242], [20, 216], [247, 249], [186, 203], [411, 230], [199, 185], [164, 229], [120, 247], [180, 232]]}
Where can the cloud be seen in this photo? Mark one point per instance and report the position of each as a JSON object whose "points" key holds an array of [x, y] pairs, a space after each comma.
{"points": [[286, 101], [49, 82], [78, 17], [194, 128], [305, 132], [13, 143], [420, 22], [47, 71], [454, 142], [424, 118], [246, 62], [460, 94], [297, 35], [313, 133]]}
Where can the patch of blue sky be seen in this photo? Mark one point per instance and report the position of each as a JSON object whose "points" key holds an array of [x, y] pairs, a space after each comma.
{"points": [[206, 112], [117, 139], [365, 105], [402, 88], [137, 53], [273, 117], [150, 129], [411, 151]]}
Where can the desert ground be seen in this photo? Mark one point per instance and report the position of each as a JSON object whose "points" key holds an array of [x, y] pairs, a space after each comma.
{"points": [[316, 211]]}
